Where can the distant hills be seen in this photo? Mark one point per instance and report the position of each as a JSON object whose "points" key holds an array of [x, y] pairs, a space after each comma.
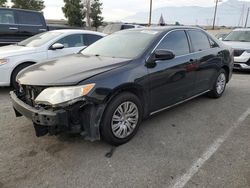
{"points": [[230, 13]]}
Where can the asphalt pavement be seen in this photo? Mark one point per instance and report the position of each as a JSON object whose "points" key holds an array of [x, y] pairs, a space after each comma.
{"points": [[202, 143]]}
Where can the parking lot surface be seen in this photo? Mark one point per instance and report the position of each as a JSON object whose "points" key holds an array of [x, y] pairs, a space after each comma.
{"points": [[202, 143]]}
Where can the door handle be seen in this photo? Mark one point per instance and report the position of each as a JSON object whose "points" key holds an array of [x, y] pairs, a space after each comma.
{"points": [[13, 28], [42, 29]]}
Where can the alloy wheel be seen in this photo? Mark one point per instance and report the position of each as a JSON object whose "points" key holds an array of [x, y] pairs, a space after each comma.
{"points": [[125, 119]]}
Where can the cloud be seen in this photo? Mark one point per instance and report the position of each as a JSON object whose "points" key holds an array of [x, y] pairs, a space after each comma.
{"points": [[115, 10]]}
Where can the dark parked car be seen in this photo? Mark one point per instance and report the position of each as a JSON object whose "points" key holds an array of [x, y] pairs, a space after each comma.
{"points": [[111, 86], [18, 24]]}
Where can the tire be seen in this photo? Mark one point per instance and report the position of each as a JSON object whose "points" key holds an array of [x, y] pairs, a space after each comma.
{"points": [[219, 85], [14, 74], [117, 129]]}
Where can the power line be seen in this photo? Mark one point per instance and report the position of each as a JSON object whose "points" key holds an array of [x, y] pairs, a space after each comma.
{"points": [[248, 9], [241, 20]]}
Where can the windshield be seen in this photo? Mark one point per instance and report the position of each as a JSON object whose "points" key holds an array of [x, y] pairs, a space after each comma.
{"points": [[126, 44], [242, 36], [39, 39]]}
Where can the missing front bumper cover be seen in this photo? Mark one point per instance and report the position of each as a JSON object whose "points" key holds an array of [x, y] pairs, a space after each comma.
{"points": [[76, 118]]}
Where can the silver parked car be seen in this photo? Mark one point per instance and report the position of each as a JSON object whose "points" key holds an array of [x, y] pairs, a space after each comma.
{"points": [[239, 40]]}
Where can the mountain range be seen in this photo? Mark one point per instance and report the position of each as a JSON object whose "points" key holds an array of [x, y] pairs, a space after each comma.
{"points": [[229, 13]]}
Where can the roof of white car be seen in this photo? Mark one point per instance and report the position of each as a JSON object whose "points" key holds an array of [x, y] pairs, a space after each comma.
{"points": [[77, 31], [242, 29]]}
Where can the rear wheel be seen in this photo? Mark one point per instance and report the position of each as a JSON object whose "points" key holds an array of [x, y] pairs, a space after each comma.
{"points": [[15, 72], [219, 85], [121, 119]]}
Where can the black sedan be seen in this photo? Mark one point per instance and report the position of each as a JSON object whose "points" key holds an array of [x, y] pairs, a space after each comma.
{"points": [[105, 91]]}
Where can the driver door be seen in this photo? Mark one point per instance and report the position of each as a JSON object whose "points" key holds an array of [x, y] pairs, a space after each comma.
{"points": [[172, 81]]}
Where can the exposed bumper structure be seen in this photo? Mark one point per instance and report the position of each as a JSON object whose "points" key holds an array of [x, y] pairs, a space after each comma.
{"points": [[83, 118], [41, 117]]}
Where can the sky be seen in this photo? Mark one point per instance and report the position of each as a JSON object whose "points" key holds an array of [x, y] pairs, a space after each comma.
{"points": [[116, 10]]}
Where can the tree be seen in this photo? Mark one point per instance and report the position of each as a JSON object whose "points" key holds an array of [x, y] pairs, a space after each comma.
{"points": [[37, 5], [73, 10], [95, 13], [177, 23], [2, 3]]}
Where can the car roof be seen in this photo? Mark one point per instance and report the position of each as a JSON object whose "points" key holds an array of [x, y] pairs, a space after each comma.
{"points": [[163, 28], [78, 31], [18, 9], [242, 29]]}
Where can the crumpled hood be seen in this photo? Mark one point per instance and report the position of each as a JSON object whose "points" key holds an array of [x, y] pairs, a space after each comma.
{"points": [[238, 45], [68, 70], [14, 50]]}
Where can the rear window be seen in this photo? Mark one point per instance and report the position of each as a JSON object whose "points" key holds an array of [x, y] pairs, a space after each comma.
{"points": [[199, 40], [7, 17], [29, 18]]}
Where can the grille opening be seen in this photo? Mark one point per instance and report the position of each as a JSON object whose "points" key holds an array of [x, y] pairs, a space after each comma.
{"points": [[238, 52], [30, 93]]}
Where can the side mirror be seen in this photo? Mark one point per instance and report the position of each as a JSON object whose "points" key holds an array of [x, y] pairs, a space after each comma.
{"points": [[221, 39], [57, 46], [163, 55]]}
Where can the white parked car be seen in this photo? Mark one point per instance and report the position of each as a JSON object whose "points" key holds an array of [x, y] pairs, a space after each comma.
{"points": [[239, 40], [41, 48]]}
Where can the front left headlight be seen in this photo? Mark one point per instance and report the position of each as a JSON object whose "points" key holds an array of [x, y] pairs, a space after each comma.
{"points": [[57, 95], [3, 61]]}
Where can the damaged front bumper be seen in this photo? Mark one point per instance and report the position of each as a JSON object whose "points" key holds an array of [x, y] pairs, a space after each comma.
{"points": [[83, 118]]}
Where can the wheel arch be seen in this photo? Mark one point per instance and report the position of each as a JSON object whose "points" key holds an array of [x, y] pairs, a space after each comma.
{"points": [[133, 88], [19, 65], [226, 68]]}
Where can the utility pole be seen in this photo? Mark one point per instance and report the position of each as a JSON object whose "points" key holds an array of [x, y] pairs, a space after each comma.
{"points": [[215, 12], [248, 9], [87, 4], [150, 13]]}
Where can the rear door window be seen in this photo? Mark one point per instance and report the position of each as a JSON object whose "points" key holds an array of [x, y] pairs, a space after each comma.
{"points": [[199, 40], [29, 18], [176, 42], [90, 38], [7, 17]]}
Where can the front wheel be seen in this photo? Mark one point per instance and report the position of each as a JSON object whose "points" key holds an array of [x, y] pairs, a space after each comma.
{"points": [[219, 85], [121, 119]]}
